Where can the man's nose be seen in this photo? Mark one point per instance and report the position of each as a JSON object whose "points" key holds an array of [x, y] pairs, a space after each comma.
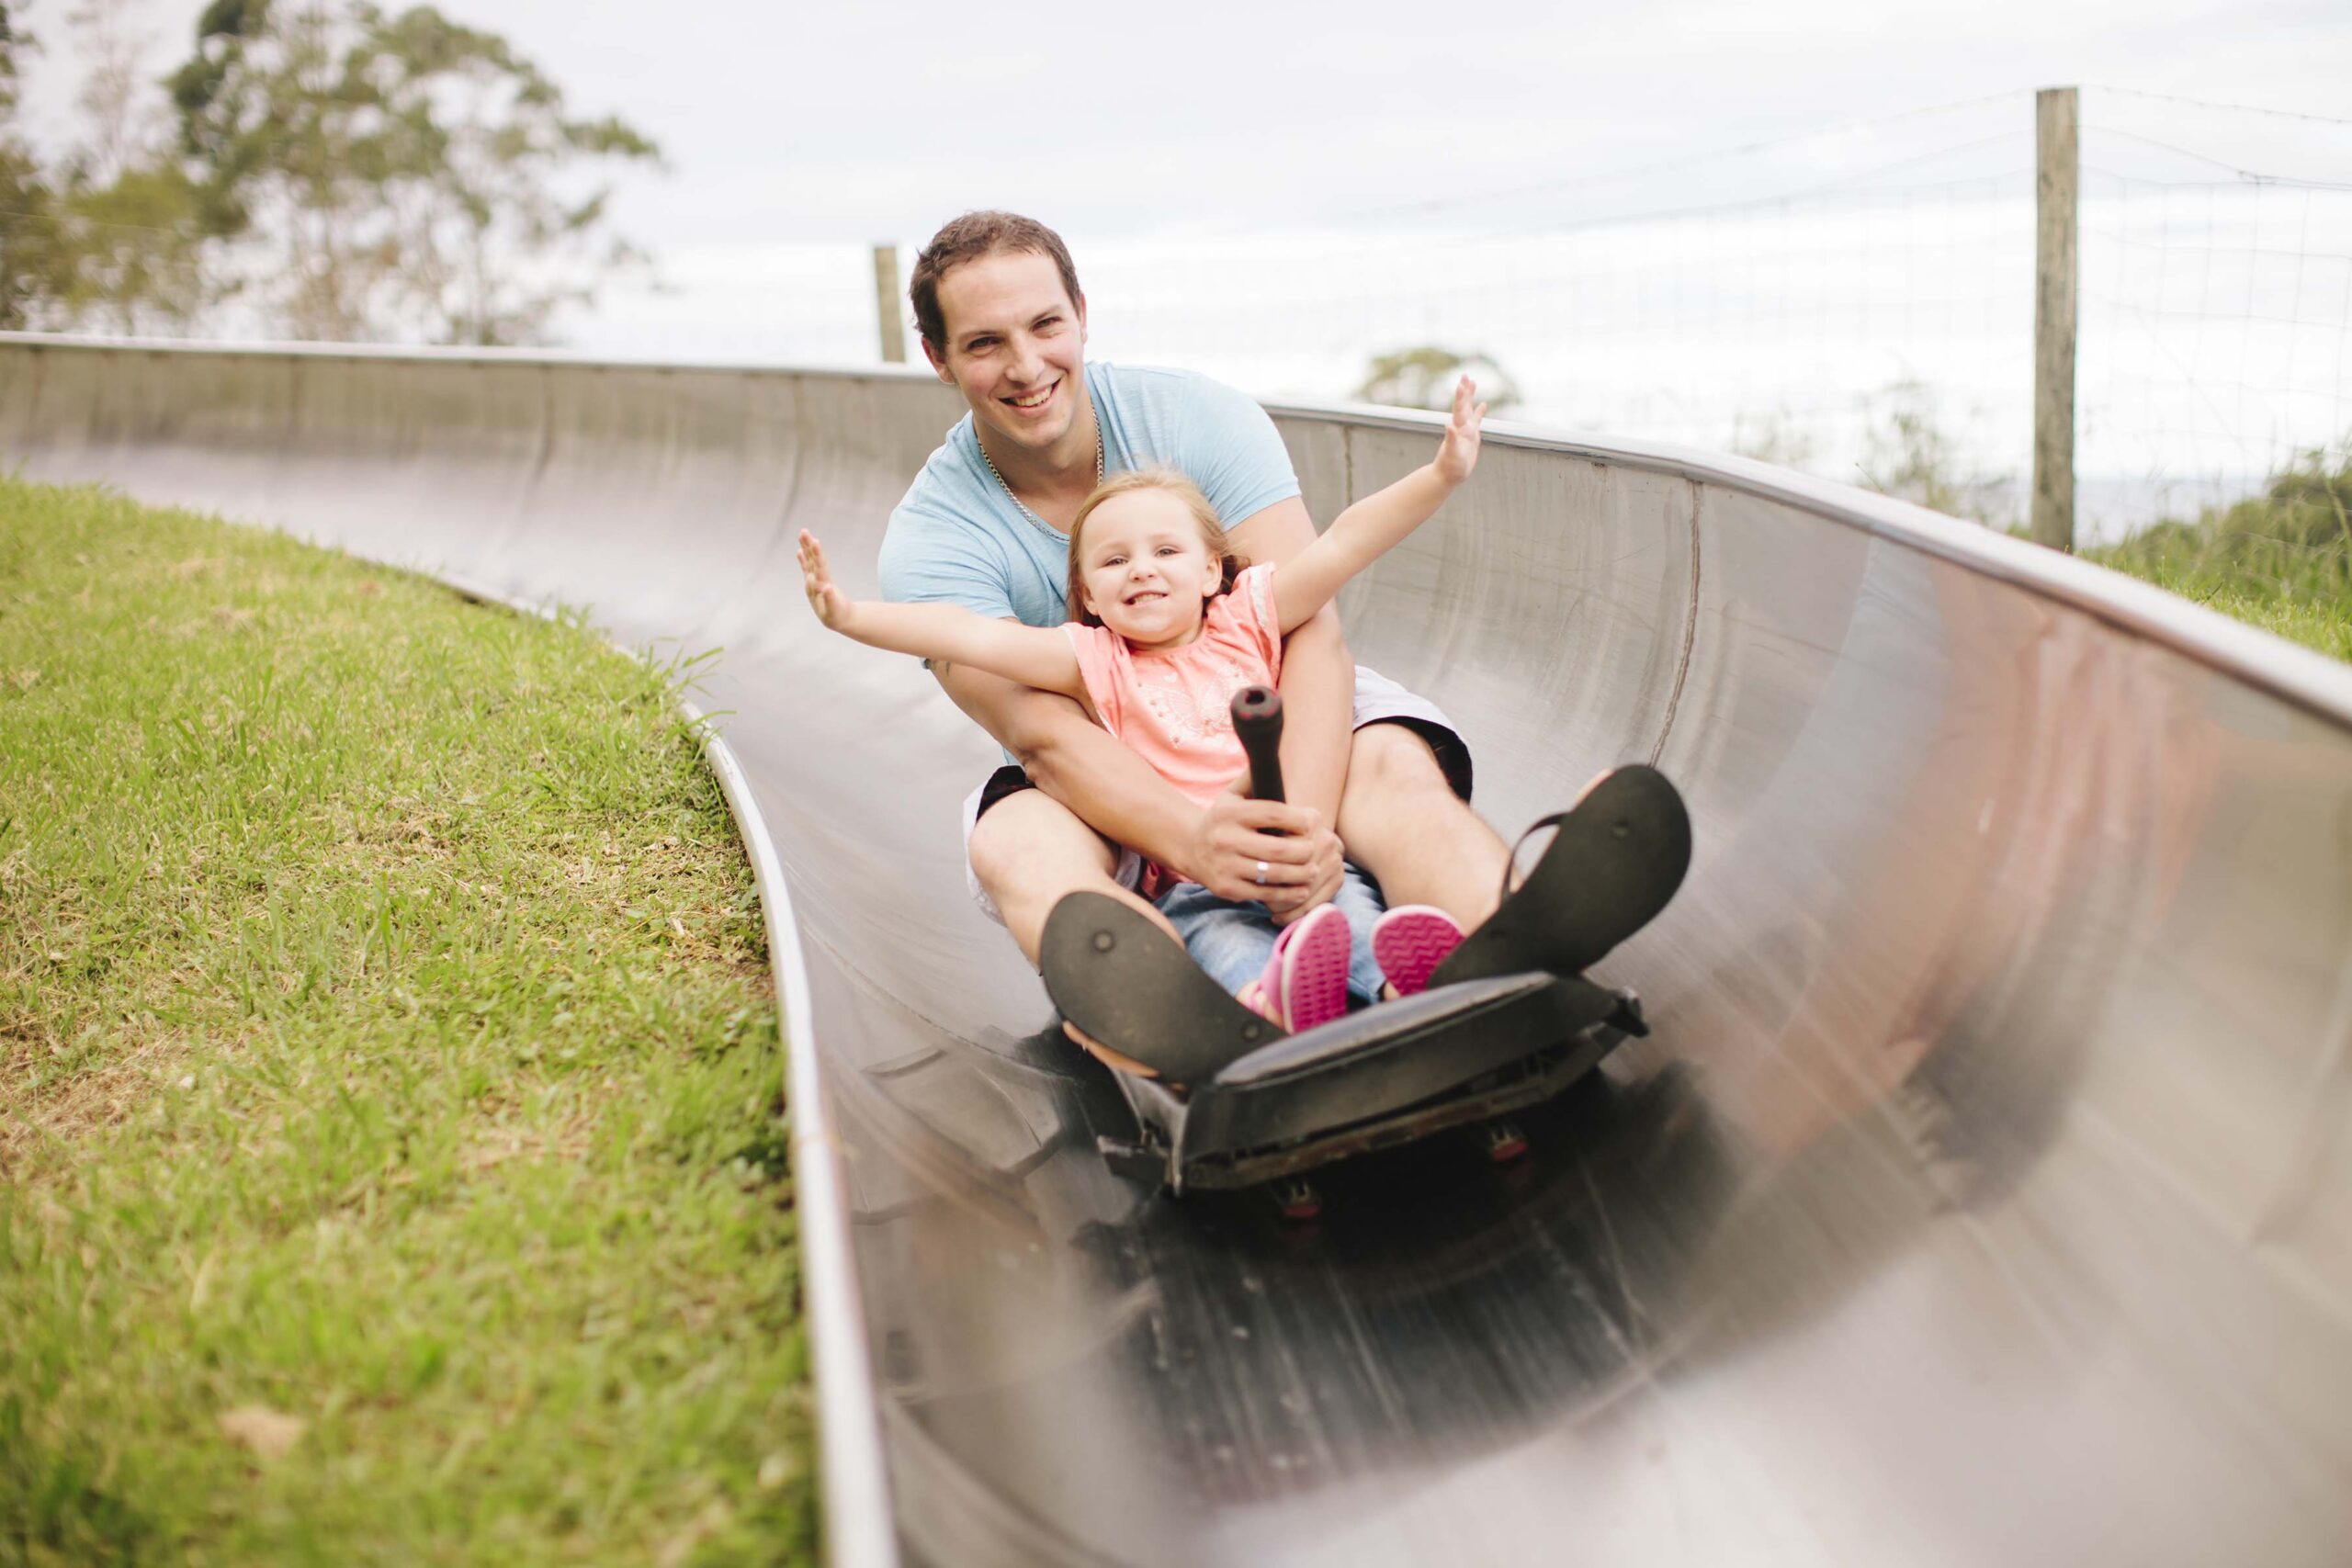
{"points": [[1027, 363]]}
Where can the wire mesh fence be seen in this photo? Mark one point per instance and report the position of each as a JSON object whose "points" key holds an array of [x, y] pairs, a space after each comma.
{"points": [[1857, 302], [1876, 324], [2216, 323]]}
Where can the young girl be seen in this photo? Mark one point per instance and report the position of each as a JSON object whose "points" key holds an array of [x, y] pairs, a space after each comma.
{"points": [[1170, 625]]}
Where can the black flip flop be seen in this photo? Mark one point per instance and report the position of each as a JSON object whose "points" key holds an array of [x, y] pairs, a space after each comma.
{"points": [[1619, 856], [1124, 981]]}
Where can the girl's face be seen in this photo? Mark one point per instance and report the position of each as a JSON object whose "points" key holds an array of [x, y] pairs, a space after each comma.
{"points": [[1146, 571]]}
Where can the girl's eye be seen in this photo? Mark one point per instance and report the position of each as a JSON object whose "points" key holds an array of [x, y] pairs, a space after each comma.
{"points": [[1168, 550]]}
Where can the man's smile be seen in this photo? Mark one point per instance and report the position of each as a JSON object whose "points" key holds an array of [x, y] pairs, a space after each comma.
{"points": [[1026, 400]]}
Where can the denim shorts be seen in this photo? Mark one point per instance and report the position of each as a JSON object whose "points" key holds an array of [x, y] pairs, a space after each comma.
{"points": [[1232, 940]]}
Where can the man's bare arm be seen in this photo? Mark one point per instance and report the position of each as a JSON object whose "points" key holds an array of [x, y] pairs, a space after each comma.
{"points": [[1115, 792], [1318, 675]]}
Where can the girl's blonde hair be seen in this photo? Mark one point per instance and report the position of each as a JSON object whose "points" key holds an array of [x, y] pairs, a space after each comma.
{"points": [[1212, 531]]}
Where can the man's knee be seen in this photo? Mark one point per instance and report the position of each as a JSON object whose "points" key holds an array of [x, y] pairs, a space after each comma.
{"points": [[1400, 806], [1030, 851], [1030, 847], [1391, 758]]}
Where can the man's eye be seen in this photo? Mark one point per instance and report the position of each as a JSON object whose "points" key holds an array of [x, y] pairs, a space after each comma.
{"points": [[979, 343]]}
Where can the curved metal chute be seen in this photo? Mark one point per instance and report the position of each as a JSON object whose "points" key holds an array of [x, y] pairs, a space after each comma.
{"points": [[1983, 1193]]}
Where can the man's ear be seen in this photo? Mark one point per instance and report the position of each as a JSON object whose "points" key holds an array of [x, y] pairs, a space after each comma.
{"points": [[938, 366], [1081, 318]]}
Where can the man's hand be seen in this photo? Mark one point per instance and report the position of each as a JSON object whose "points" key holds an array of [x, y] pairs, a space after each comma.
{"points": [[825, 596], [1458, 452], [1237, 835]]}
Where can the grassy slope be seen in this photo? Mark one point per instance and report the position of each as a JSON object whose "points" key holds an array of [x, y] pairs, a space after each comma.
{"points": [[385, 1043]]}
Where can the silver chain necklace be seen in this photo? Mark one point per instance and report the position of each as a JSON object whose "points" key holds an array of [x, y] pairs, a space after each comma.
{"points": [[1021, 506]]}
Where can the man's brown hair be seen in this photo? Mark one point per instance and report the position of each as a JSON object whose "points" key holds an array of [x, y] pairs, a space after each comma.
{"points": [[1213, 532], [968, 239]]}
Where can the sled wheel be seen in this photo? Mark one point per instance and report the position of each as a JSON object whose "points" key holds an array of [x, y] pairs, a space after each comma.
{"points": [[1298, 1200], [1503, 1142]]}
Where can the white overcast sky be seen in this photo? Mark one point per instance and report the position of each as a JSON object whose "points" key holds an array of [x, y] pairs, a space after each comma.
{"points": [[1270, 191], [858, 122]]}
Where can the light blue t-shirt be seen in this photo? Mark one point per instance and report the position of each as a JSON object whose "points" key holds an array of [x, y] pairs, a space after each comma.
{"points": [[958, 538]]}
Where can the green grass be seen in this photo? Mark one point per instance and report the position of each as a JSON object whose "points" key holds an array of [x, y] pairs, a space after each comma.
{"points": [[2281, 595], [386, 1046], [2280, 560]]}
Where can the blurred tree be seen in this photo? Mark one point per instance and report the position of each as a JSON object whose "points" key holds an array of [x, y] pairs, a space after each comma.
{"points": [[1423, 378], [133, 254], [27, 254], [1775, 437], [1909, 453], [393, 176], [2307, 504], [122, 125], [115, 227], [107, 234]]}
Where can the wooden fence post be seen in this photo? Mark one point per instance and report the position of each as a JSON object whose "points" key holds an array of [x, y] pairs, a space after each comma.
{"points": [[887, 305], [2057, 182]]}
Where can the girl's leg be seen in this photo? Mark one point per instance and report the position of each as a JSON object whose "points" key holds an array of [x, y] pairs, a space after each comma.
{"points": [[1235, 944], [1231, 942], [1359, 899]]}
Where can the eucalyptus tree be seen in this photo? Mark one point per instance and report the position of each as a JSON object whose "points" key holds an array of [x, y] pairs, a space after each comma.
{"points": [[401, 176]]}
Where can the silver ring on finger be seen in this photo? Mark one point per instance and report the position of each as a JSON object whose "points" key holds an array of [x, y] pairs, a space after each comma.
{"points": [[1262, 873]]}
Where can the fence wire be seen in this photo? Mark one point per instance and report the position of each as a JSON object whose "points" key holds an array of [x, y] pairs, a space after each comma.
{"points": [[1857, 301]]}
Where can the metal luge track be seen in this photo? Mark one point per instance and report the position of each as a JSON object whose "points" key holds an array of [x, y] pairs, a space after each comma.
{"points": [[1983, 1195]]}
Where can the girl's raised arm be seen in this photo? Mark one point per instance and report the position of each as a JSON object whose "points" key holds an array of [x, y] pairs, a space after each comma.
{"points": [[1034, 656], [1373, 526]]}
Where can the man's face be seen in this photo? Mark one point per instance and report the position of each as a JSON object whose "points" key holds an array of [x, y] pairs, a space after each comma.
{"points": [[1016, 346]]}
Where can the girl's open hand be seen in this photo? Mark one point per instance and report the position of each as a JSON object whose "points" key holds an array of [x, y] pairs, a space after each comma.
{"points": [[825, 596], [1458, 452]]}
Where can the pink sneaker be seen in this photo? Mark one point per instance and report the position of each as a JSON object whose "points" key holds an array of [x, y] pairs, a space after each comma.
{"points": [[1314, 960], [1410, 940], [1306, 982], [1264, 994]]}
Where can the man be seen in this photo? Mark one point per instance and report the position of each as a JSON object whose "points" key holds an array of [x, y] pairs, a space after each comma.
{"points": [[984, 525]]}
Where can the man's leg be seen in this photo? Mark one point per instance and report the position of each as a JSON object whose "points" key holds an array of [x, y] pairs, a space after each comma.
{"points": [[1029, 851], [1401, 821]]}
